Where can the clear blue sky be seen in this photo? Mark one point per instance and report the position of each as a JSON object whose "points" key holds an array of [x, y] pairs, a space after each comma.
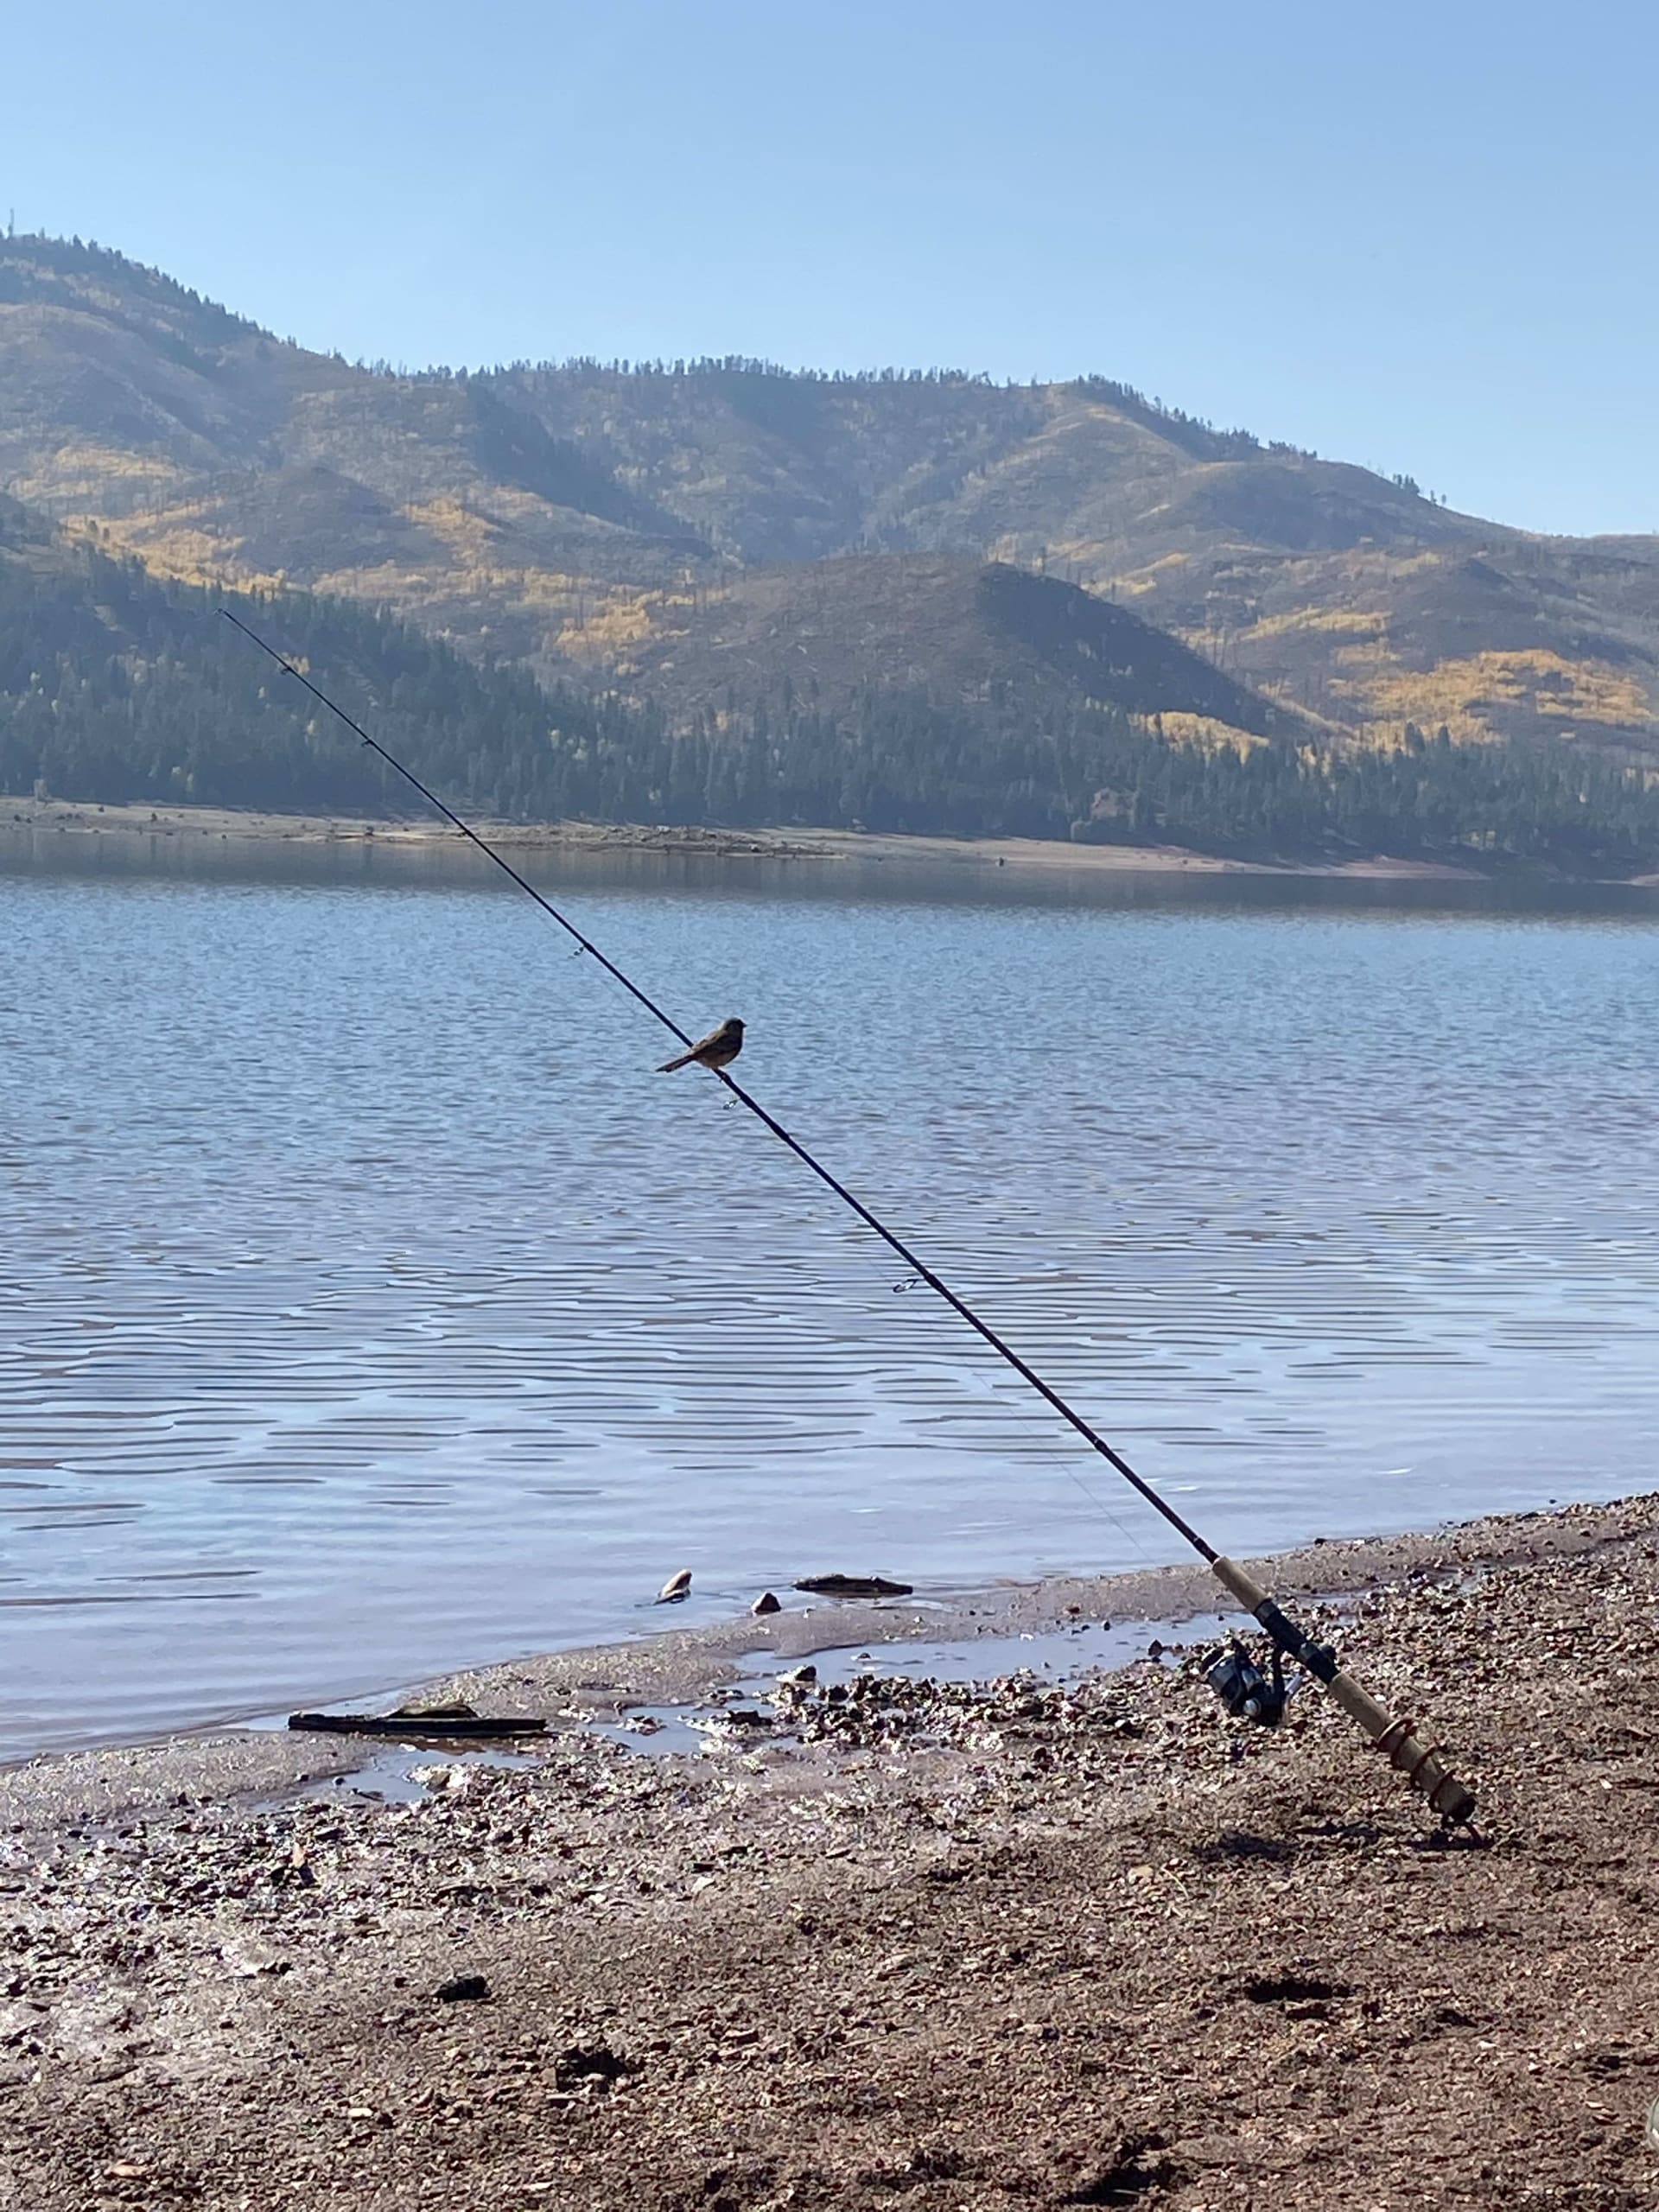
{"points": [[1421, 236]]}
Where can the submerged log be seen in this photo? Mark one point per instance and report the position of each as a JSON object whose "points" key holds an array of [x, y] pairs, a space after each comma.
{"points": [[853, 1585]]}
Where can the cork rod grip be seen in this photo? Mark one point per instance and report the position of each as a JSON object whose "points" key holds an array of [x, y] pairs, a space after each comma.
{"points": [[1420, 1761]]}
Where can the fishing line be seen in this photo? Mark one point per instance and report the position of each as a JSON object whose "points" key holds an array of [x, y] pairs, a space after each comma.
{"points": [[915, 1265]]}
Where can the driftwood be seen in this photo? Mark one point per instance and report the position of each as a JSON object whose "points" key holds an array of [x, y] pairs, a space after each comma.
{"points": [[441, 1721], [853, 1585]]}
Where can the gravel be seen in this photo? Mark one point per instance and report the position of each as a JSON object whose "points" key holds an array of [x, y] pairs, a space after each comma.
{"points": [[892, 1942]]}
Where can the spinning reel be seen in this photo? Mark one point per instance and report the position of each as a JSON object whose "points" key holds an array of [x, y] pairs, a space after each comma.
{"points": [[1246, 1692], [1249, 1694]]}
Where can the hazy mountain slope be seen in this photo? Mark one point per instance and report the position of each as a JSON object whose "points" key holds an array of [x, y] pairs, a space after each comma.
{"points": [[780, 467], [775, 468], [117, 385], [210, 448], [525, 512], [1330, 586], [1518, 637]]}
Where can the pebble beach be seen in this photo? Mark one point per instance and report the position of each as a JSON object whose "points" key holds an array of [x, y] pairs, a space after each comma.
{"points": [[1064, 1938]]}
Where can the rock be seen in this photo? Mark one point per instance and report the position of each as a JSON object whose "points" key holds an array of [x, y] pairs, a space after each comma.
{"points": [[800, 1677], [590, 2063], [676, 1586], [765, 1603], [853, 1585], [453, 1780], [463, 1989]]}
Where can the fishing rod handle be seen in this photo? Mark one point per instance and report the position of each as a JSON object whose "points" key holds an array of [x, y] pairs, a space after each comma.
{"points": [[1420, 1761]]}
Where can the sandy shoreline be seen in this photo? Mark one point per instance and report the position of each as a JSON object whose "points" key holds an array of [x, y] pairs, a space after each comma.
{"points": [[189, 824], [671, 1664], [1030, 1949]]}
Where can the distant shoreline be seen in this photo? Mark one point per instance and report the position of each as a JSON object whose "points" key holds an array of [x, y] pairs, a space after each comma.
{"points": [[222, 825]]}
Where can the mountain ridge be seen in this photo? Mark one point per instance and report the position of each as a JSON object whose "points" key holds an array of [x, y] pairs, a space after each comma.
{"points": [[518, 512]]}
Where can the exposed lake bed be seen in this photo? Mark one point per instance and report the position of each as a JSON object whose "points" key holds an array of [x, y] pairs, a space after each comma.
{"points": [[1081, 1948]]}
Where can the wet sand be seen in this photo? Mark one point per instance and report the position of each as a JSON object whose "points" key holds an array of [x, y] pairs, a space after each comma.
{"points": [[193, 823], [1036, 1947]]}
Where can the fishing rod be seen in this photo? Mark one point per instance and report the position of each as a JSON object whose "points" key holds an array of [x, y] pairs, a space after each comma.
{"points": [[1239, 1683]]}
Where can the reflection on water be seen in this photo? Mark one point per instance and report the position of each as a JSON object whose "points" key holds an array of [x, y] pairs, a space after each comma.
{"points": [[368, 1304]]}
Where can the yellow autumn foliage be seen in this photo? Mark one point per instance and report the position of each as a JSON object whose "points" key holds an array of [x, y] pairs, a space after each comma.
{"points": [[1202, 730], [84, 470], [1332, 622], [607, 622], [1463, 693], [1135, 581], [467, 534], [173, 543]]}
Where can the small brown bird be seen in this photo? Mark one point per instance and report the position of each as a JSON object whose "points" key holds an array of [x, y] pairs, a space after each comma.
{"points": [[717, 1050]]}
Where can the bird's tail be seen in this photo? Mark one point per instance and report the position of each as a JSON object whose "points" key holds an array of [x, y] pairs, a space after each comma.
{"points": [[669, 1066]]}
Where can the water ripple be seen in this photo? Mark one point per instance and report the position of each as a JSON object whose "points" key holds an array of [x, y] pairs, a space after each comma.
{"points": [[367, 1306]]}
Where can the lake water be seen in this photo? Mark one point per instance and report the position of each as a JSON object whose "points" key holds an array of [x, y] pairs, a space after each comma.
{"points": [[368, 1305]]}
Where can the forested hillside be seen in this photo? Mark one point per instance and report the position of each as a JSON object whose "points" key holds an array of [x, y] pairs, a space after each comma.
{"points": [[117, 686], [561, 514]]}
